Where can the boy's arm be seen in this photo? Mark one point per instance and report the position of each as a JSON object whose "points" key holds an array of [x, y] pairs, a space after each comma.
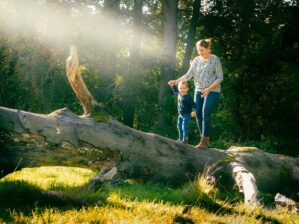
{"points": [[175, 90]]}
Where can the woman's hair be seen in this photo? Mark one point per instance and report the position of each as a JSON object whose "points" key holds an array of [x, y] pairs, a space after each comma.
{"points": [[206, 43]]}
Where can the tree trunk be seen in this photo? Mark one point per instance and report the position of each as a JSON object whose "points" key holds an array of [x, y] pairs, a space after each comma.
{"points": [[63, 138], [109, 62], [170, 11], [191, 36], [134, 66]]}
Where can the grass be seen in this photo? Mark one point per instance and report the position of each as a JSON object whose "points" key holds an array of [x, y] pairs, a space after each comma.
{"points": [[25, 198]]}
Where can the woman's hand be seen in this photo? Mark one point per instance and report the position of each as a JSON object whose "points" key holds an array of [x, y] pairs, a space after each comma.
{"points": [[172, 82], [206, 92], [193, 114]]}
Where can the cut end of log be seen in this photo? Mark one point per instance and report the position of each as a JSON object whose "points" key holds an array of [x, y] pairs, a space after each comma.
{"points": [[98, 180], [246, 183]]}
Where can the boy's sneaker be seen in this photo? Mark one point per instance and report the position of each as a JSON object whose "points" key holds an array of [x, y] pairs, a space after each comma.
{"points": [[184, 142]]}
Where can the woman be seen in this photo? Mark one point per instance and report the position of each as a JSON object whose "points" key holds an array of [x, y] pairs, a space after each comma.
{"points": [[207, 73]]}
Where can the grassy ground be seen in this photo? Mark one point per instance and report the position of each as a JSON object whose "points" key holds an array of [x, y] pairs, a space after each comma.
{"points": [[58, 195]]}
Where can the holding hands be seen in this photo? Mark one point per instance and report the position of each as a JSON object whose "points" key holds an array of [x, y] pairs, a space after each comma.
{"points": [[172, 82], [205, 92]]}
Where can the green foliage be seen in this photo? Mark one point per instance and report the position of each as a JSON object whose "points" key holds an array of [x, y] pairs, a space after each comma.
{"points": [[258, 100], [132, 190], [257, 43]]}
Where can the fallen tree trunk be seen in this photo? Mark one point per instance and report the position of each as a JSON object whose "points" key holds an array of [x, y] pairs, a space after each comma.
{"points": [[66, 139], [63, 138]]}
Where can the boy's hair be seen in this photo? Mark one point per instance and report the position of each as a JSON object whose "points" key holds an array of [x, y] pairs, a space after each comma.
{"points": [[183, 83]]}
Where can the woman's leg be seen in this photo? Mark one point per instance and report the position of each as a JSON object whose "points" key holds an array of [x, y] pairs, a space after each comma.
{"points": [[209, 104], [198, 100]]}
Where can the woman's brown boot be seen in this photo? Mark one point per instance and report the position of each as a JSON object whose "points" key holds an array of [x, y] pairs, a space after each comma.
{"points": [[204, 142]]}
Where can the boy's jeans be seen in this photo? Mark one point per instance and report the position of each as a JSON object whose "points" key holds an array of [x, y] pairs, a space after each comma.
{"points": [[183, 121], [204, 108]]}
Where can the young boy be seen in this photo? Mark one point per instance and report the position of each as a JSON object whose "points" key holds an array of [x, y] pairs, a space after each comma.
{"points": [[186, 109]]}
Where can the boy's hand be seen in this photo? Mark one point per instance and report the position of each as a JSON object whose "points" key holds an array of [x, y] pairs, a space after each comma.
{"points": [[193, 114]]}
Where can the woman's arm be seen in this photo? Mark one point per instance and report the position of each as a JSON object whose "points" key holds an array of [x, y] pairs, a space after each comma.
{"points": [[206, 91], [175, 82], [187, 76]]}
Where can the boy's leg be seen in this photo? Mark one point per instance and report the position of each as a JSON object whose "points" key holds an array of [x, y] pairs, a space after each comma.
{"points": [[209, 104], [186, 119], [180, 129], [198, 100]]}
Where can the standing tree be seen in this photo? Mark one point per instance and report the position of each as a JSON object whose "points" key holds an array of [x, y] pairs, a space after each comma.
{"points": [[108, 64], [133, 66], [190, 41], [168, 64]]}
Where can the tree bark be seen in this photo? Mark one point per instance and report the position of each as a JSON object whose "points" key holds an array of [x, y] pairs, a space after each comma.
{"points": [[109, 62], [78, 85], [133, 67], [191, 36], [170, 11]]}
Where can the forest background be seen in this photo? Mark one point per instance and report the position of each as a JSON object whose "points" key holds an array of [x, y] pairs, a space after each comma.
{"points": [[129, 49]]}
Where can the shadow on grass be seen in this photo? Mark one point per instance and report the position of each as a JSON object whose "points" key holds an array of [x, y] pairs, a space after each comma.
{"points": [[182, 220], [21, 197]]}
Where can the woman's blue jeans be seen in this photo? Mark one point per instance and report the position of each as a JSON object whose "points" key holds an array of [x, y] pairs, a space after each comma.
{"points": [[183, 121], [204, 108]]}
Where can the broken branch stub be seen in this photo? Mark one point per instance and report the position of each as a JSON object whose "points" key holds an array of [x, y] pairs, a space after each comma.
{"points": [[74, 76], [283, 201]]}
